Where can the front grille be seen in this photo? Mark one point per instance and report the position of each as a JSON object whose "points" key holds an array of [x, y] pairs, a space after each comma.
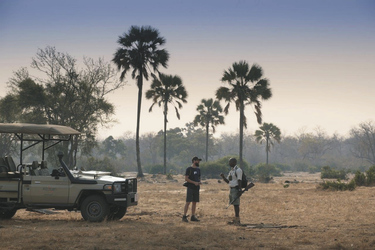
{"points": [[132, 185]]}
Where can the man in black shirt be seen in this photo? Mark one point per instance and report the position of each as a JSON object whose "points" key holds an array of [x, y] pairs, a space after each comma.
{"points": [[193, 179]]}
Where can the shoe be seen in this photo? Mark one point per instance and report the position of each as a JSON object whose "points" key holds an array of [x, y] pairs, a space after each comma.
{"points": [[193, 218], [184, 218], [235, 221]]}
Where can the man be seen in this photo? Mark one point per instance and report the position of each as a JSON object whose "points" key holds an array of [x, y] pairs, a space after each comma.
{"points": [[234, 180], [193, 179]]}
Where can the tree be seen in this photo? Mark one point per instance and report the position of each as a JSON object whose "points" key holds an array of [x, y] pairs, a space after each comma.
{"points": [[166, 90], [65, 95], [268, 133], [112, 147], [209, 116], [247, 87], [140, 51], [363, 142]]}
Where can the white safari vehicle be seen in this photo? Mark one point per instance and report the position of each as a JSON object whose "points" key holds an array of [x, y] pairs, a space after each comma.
{"points": [[41, 185]]}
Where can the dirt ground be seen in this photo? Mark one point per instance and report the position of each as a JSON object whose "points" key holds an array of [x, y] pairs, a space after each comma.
{"points": [[277, 215]]}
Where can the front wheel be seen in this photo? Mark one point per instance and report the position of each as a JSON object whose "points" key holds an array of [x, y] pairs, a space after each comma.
{"points": [[117, 213], [8, 214], [94, 208]]}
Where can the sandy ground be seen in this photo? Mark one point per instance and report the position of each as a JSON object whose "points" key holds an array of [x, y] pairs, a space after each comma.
{"points": [[273, 216]]}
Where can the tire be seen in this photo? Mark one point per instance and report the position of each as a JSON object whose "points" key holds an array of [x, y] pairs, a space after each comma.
{"points": [[117, 213], [94, 208], [6, 215]]}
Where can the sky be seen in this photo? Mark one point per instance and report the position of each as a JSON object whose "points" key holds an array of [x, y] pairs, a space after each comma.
{"points": [[318, 55]]}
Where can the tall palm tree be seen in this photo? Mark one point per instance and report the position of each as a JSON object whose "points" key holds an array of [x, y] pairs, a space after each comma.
{"points": [[209, 116], [247, 87], [166, 90], [140, 52], [267, 133]]}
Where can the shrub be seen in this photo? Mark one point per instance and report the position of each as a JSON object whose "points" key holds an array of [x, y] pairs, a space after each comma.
{"points": [[360, 178], [330, 173], [314, 169], [338, 186], [368, 179], [265, 172], [156, 169], [213, 169], [370, 174]]}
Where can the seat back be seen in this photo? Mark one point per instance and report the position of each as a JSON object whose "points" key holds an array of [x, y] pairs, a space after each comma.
{"points": [[43, 168], [11, 164], [34, 168], [3, 165]]}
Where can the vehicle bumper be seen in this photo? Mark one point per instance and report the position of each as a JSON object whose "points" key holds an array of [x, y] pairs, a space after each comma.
{"points": [[124, 200]]}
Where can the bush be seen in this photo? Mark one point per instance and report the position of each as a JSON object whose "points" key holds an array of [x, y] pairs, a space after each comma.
{"points": [[330, 173], [360, 178], [338, 186], [213, 169], [367, 179], [314, 169], [265, 172], [370, 174], [156, 169]]}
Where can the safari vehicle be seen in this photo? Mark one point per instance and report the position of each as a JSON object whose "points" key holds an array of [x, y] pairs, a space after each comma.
{"points": [[35, 185]]}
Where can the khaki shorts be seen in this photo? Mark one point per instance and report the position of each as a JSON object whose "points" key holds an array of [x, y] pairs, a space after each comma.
{"points": [[233, 194]]}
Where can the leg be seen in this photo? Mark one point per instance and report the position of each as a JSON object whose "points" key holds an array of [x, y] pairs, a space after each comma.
{"points": [[186, 208], [193, 206], [237, 210]]}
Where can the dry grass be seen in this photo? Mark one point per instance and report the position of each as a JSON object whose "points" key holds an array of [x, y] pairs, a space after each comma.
{"points": [[298, 217]]}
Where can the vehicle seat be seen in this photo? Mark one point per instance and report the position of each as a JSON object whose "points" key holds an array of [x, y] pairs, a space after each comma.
{"points": [[43, 168], [11, 164], [34, 168], [3, 165]]}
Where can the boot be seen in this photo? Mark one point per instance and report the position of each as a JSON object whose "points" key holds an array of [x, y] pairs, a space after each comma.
{"points": [[193, 218], [237, 221], [184, 218]]}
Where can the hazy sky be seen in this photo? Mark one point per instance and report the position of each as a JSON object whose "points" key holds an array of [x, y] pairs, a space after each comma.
{"points": [[319, 56]]}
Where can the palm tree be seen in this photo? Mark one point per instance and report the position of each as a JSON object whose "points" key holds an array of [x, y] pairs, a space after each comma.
{"points": [[209, 114], [247, 87], [267, 133], [167, 89], [140, 52]]}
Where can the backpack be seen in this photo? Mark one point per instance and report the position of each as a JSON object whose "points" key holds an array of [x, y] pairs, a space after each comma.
{"points": [[243, 179]]}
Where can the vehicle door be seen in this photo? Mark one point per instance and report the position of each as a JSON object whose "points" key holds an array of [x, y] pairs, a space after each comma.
{"points": [[46, 189]]}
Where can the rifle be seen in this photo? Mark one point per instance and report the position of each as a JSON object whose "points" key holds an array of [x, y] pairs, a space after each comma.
{"points": [[241, 192]]}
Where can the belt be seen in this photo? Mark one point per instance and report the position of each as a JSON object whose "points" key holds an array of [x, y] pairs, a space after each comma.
{"points": [[234, 187]]}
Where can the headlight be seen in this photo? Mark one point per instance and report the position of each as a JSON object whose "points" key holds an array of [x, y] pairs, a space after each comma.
{"points": [[117, 188]]}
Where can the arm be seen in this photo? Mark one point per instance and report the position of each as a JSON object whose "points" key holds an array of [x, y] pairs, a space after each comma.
{"points": [[190, 181], [239, 178], [224, 178]]}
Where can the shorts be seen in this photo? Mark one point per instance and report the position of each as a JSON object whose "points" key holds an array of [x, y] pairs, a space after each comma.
{"points": [[233, 194], [192, 195]]}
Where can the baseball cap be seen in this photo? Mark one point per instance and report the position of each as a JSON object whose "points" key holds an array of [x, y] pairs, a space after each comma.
{"points": [[195, 159]]}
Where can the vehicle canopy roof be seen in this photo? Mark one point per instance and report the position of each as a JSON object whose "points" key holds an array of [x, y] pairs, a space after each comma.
{"points": [[46, 129]]}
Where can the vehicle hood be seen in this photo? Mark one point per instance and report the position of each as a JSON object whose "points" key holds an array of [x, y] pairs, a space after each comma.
{"points": [[99, 176]]}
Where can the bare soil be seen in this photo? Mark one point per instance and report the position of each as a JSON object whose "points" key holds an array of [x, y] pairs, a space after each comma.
{"points": [[276, 215]]}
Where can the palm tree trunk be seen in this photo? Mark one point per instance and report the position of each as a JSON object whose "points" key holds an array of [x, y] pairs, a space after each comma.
{"points": [[165, 137], [207, 128], [140, 85], [241, 132], [267, 150]]}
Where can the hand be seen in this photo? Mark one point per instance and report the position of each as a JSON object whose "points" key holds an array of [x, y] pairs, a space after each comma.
{"points": [[239, 189]]}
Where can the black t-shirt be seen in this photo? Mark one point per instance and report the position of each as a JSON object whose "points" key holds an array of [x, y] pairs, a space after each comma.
{"points": [[194, 175]]}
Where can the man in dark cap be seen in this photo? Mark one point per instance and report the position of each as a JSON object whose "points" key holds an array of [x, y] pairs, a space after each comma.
{"points": [[193, 179]]}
